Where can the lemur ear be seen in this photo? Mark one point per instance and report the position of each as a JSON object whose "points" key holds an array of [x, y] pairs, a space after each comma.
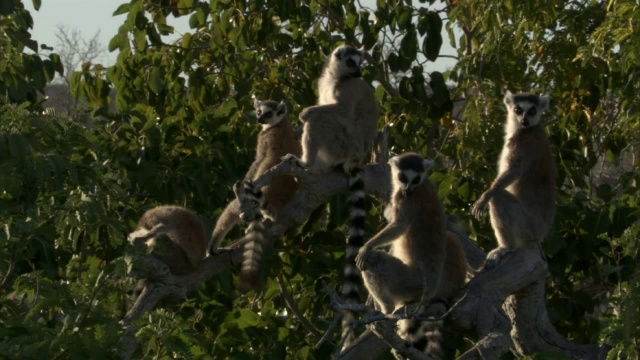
{"points": [[282, 108], [544, 102], [394, 161], [428, 164], [256, 102], [338, 53], [508, 98]]}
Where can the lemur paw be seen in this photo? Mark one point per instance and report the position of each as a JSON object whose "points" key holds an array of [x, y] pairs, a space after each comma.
{"points": [[362, 259], [306, 113], [480, 207], [294, 160], [138, 236], [494, 257]]}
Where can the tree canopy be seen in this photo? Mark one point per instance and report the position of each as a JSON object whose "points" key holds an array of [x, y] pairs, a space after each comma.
{"points": [[72, 189]]}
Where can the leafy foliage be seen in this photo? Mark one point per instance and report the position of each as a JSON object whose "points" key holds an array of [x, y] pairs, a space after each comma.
{"points": [[69, 193], [562, 51], [22, 75]]}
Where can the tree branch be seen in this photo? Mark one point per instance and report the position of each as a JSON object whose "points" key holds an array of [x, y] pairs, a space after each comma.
{"points": [[518, 279], [291, 304]]}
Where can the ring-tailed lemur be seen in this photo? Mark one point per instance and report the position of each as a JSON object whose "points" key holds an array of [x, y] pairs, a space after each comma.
{"points": [[275, 140], [425, 262], [522, 196], [339, 131], [178, 235]]}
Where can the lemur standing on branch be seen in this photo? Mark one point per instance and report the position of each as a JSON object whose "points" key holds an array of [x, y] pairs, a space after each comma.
{"points": [[522, 197], [340, 131], [275, 140]]}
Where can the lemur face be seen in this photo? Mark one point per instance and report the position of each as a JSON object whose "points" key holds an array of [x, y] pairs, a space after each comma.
{"points": [[269, 113], [348, 60], [525, 109], [408, 171]]}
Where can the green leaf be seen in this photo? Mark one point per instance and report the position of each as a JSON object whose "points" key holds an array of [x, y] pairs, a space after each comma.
{"points": [[155, 81], [405, 14], [122, 9], [37, 4], [408, 48], [57, 63], [199, 19], [184, 4], [6, 7], [120, 41], [165, 29], [394, 62], [433, 41], [186, 40], [141, 39]]}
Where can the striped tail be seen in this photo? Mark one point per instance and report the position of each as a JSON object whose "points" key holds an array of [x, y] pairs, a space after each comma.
{"points": [[253, 248], [355, 240], [425, 336]]}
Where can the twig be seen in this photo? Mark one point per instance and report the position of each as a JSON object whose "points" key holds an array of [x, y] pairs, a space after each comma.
{"points": [[291, 304], [332, 327]]}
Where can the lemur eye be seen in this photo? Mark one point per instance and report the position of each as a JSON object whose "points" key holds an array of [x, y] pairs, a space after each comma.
{"points": [[532, 111], [518, 110], [415, 180], [402, 178], [258, 112], [351, 63], [268, 114]]}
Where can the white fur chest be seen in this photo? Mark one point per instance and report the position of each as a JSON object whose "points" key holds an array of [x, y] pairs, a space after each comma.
{"points": [[326, 90], [401, 251], [511, 127], [503, 162]]}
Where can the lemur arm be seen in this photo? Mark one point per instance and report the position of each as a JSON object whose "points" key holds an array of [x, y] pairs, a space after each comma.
{"points": [[336, 111], [514, 171], [386, 236], [253, 169], [141, 236]]}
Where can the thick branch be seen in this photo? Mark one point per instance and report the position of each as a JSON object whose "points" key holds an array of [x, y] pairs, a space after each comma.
{"points": [[314, 190], [479, 308], [532, 332], [168, 285]]}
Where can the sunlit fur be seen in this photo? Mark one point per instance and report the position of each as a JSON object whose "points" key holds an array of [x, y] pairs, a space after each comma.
{"points": [[343, 63], [276, 139], [176, 233], [521, 199], [339, 132], [425, 262]]}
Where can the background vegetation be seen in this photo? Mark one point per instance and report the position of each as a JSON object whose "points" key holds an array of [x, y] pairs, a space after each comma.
{"points": [[72, 188]]}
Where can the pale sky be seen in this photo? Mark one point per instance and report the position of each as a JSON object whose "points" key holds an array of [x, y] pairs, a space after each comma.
{"points": [[90, 16]]}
